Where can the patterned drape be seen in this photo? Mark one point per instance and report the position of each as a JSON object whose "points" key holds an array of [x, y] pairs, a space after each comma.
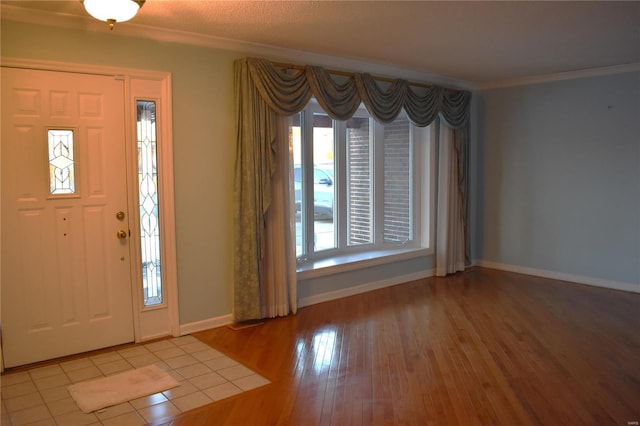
{"points": [[265, 91]]}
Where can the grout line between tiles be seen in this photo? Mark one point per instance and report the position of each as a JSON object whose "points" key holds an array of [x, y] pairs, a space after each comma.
{"points": [[104, 362]]}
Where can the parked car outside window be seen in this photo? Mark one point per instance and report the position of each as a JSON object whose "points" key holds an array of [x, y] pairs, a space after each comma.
{"points": [[323, 191]]}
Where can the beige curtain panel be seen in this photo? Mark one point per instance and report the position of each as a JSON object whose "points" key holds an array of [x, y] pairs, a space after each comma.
{"points": [[265, 91]]}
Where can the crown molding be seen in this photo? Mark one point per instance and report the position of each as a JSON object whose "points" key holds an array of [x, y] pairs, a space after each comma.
{"points": [[568, 75], [69, 67], [131, 29]]}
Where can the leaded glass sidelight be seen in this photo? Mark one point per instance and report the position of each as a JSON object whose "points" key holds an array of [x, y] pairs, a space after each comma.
{"points": [[61, 162], [148, 196]]}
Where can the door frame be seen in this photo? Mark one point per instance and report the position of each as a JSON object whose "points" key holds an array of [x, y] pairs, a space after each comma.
{"points": [[132, 78]]}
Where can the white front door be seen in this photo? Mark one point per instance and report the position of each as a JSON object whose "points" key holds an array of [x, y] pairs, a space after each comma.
{"points": [[65, 247]]}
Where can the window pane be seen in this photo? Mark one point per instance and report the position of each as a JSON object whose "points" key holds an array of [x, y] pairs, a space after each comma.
{"points": [[295, 139], [359, 182], [397, 181], [61, 162], [148, 196], [354, 183], [323, 182]]}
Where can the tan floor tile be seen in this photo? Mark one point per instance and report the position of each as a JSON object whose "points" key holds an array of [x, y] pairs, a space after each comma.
{"points": [[159, 411], [62, 406], [183, 358], [128, 419], [29, 415], [161, 345], [133, 352], [142, 360], [24, 401], [235, 372], [48, 371], [220, 363], [147, 401], [191, 401], [84, 374], [45, 422], [251, 382], [106, 357], [175, 375], [181, 361], [76, 418], [195, 347], [4, 416], [76, 364], [15, 378], [185, 388], [165, 354], [184, 340], [114, 367], [207, 354], [206, 381], [52, 381], [114, 411], [18, 389], [55, 394], [162, 366], [193, 370], [222, 391]]}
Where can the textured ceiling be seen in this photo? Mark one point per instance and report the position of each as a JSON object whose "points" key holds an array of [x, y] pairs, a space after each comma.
{"points": [[477, 42]]}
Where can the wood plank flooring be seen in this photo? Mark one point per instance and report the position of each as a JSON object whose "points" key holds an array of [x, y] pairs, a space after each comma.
{"points": [[481, 347]]}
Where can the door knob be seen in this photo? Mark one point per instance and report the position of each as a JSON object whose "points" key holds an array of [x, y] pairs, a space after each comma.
{"points": [[121, 234], [120, 215]]}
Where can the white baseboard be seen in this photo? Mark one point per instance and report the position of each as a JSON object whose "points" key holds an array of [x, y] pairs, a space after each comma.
{"points": [[596, 282], [207, 324], [350, 291], [223, 320]]}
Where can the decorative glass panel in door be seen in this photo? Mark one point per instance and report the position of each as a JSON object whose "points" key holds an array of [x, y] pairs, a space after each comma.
{"points": [[62, 175], [148, 197]]}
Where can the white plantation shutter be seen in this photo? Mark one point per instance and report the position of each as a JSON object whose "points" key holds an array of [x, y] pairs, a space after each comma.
{"points": [[359, 182], [397, 226]]}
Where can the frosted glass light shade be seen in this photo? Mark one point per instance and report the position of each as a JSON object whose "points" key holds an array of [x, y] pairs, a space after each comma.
{"points": [[112, 11]]}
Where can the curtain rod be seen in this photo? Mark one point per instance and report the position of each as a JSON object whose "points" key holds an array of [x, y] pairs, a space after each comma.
{"points": [[351, 74]]}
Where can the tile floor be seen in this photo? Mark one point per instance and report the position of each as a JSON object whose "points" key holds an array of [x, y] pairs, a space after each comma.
{"points": [[39, 396]]}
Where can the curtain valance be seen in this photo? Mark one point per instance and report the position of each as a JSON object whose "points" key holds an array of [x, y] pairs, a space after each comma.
{"points": [[287, 91]]}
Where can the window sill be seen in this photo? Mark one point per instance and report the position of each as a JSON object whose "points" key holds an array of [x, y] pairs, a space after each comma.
{"points": [[356, 261]]}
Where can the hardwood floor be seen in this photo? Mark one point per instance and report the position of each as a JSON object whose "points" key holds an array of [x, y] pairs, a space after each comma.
{"points": [[483, 347]]}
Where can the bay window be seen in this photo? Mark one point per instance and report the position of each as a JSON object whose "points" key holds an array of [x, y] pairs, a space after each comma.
{"points": [[360, 186]]}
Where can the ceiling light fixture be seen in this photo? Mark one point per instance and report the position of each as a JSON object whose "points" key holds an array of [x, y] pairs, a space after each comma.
{"points": [[112, 11]]}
